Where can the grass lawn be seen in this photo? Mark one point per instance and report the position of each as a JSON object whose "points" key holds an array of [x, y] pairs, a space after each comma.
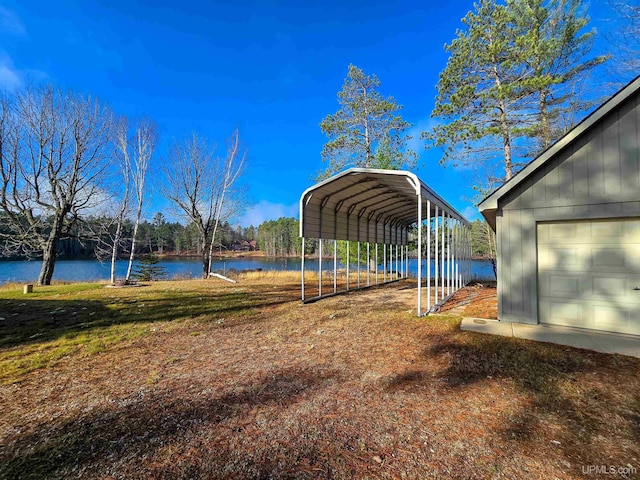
{"points": [[206, 379]]}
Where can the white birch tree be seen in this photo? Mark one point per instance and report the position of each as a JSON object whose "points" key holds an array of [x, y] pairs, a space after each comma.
{"points": [[137, 148], [229, 169]]}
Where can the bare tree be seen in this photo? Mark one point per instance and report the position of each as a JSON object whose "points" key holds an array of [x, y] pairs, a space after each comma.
{"points": [[202, 187], [230, 168], [54, 149], [107, 229], [190, 172], [124, 162], [136, 150], [625, 40]]}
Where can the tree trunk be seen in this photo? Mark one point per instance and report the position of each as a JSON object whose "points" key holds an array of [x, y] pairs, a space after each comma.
{"points": [[133, 249], [48, 264], [367, 140], [114, 252], [506, 141], [504, 125], [49, 254], [215, 227], [544, 119], [205, 257]]}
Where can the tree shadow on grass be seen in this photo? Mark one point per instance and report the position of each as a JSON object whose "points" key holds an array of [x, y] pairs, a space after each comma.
{"points": [[34, 320], [30, 321], [407, 381], [556, 379], [137, 427]]}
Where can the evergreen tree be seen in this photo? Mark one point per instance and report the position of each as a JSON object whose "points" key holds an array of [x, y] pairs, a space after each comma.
{"points": [[478, 90], [551, 44], [512, 81], [365, 119], [279, 238], [147, 269]]}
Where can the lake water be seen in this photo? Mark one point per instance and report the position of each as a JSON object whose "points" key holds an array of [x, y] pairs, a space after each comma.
{"points": [[24, 271]]}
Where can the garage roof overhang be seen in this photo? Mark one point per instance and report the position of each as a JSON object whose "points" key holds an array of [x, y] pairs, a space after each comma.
{"points": [[363, 204], [489, 206]]}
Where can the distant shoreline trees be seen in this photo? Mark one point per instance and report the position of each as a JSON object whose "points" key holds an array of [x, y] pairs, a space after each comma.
{"points": [[279, 238]]}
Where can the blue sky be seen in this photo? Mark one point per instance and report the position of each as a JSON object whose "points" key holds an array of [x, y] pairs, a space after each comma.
{"points": [[272, 69]]}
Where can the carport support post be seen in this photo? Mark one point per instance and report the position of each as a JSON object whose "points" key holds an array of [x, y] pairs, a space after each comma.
{"points": [[452, 259], [460, 269], [384, 261], [469, 255], [391, 260], [461, 248], [320, 269], [442, 248], [458, 250], [435, 261], [406, 261], [419, 255], [449, 255], [460, 264], [348, 262], [454, 266], [335, 266], [368, 264], [428, 254], [465, 280], [467, 272], [358, 263], [454, 256], [460, 253], [302, 267], [392, 274], [377, 266], [394, 271], [463, 277]]}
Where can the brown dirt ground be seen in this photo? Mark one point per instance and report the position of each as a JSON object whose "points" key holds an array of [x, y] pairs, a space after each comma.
{"points": [[352, 386]]}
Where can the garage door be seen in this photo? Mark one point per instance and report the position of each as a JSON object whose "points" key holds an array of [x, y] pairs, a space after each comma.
{"points": [[588, 273]]}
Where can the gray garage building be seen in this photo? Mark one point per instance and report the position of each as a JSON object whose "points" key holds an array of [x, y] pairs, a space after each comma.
{"points": [[568, 226]]}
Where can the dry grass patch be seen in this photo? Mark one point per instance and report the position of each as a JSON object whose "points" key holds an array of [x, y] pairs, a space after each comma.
{"points": [[242, 381]]}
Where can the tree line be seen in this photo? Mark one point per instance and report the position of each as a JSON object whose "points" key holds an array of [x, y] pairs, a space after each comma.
{"points": [[157, 236]]}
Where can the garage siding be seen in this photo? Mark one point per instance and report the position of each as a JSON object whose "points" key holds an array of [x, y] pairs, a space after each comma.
{"points": [[597, 176]]}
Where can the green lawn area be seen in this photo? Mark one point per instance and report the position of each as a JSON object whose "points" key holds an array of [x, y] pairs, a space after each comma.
{"points": [[205, 379]]}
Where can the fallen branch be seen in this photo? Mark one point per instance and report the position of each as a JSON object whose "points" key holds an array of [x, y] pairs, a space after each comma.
{"points": [[222, 277]]}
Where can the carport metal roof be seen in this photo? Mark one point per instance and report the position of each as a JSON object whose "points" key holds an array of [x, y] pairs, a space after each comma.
{"points": [[370, 205]]}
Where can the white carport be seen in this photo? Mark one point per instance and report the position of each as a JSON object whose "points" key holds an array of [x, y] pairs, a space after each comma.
{"points": [[374, 208]]}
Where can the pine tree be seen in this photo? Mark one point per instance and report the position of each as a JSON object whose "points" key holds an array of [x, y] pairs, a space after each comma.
{"points": [[512, 84], [365, 119], [147, 269], [551, 46], [478, 91]]}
